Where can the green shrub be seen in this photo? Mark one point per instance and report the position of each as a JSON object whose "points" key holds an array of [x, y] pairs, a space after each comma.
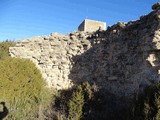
{"points": [[23, 89], [72, 104], [147, 106], [86, 102], [4, 48], [76, 104]]}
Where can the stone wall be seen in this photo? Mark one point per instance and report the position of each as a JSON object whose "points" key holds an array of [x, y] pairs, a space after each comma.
{"points": [[91, 25], [53, 55], [124, 59]]}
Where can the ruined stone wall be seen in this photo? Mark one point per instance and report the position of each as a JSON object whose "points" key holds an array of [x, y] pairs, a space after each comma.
{"points": [[53, 55], [124, 59]]}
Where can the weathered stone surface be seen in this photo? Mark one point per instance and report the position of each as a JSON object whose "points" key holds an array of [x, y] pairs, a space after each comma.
{"points": [[156, 6], [123, 59]]}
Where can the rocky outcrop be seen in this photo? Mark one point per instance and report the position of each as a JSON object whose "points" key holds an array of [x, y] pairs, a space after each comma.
{"points": [[124, 59]]}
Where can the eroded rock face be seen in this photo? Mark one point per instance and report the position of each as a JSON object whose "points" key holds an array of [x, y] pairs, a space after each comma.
{"points": [[156, 6], [124, 59]]}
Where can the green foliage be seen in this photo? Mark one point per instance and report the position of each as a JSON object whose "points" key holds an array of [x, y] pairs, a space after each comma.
{"points": [[23, 89], [87, 90], [4, 48], [76, 104], [147, 106], [86, 102], [80, 97], [71, 104]]}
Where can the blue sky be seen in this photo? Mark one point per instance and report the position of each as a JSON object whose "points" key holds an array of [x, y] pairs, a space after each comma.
{"points": [[26, 18]]}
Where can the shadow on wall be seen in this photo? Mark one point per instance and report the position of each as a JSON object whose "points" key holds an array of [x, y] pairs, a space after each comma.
{"points": [[125, 57], [97, 105], [5, 111], [122, 63]]}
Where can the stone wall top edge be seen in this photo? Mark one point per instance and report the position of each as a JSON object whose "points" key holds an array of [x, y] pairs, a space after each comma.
{"points": [[95, 21], [132, 22]]}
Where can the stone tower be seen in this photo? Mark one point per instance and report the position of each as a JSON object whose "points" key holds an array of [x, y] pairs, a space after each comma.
{"points": [[91, 25]]}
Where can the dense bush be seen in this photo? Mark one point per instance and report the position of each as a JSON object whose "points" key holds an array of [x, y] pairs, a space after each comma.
{"points": [[4, 48], [71, 104], [147, 106], [89, 102], [76, 104], [23, 89]]}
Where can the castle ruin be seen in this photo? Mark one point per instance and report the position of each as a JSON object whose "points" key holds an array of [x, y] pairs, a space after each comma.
{"points": [[124, 60]]}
